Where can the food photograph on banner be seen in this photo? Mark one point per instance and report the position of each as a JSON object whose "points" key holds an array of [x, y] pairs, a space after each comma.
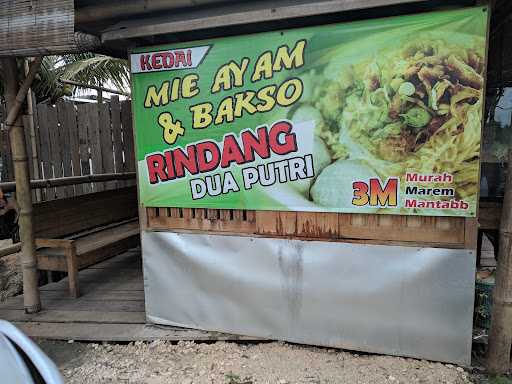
{"points": [[376, 116]]}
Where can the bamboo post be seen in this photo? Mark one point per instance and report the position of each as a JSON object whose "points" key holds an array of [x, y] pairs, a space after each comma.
{"points": [[500, 335], [32, 132], [14, 98]]}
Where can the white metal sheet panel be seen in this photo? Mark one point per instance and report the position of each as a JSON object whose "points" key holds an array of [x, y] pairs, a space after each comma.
{"points": [[395, 300]]}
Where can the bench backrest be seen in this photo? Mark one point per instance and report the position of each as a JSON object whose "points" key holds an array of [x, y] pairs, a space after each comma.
{"points": [[63, 217]]}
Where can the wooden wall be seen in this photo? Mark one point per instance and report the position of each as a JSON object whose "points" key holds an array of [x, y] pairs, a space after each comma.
{"points": [[74, 139], [451, 232]]}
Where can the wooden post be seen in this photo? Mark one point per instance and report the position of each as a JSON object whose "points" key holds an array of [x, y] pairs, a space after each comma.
{"points": [[500, 336], [14, 98]]}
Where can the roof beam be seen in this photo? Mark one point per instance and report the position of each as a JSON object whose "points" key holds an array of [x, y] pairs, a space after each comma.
{"points": [[238, 14]]}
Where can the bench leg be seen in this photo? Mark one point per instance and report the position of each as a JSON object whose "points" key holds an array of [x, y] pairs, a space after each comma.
{"points": [[72, 263]]}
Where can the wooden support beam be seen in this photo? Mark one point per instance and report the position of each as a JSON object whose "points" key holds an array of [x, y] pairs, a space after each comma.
{"points": [[500, 335], [14, 98], [71, 180]]}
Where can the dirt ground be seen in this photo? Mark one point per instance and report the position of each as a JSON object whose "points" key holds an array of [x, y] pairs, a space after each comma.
{"points": [[229, 363]]}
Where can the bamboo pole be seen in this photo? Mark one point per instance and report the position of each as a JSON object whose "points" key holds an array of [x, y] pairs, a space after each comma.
{"points": [[32, 132], [14, 98], [500, 335]]}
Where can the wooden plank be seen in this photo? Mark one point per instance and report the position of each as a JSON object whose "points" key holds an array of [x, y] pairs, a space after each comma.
{"points": [[317, 224], [46, 296], [470, 233], [85, 166], [56, 147], [67, 119], [121, 332], [266, 222], [55, 260], [240, 13], [58, 316], [93, 286], [200, 213], [212, 214], [414, 229], [67, 216], [94, 138], [436, 231], [71, 127], [286, 223], [117, 136], [129, 147], [107, 148], [44, 148], [70, 304]]}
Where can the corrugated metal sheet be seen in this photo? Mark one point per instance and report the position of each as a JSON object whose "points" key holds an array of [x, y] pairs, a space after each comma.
{"points": [[39, 27]]}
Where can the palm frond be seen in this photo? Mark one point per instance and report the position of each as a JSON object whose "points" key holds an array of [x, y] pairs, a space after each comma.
{"points": [[87, 68], [96, 70]]}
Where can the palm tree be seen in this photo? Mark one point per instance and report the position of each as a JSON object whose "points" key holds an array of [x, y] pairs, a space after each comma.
{"points": [[88, 68]]}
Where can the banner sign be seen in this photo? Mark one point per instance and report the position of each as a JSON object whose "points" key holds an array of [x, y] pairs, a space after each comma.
{"points": [[377, 116]]}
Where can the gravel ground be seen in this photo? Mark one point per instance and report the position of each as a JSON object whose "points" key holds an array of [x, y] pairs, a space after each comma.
{"points": [[229, 363]]}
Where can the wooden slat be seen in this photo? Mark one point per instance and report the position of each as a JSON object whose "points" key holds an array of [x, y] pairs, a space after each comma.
{"points": [[85, 167], [68, 304], [62, 316], [71, 126], [56, 147], [266, 222], [117, 136], [55, 260], [107, 148], [44, 148], [66, 119], [315, 224], [67, 216], [93, 132], [129, 148], [93, 286], [97, 298], [470, 233], [286, 223]]}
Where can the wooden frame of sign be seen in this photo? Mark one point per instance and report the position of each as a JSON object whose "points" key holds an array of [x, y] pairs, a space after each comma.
{"points": [[447, 232]]}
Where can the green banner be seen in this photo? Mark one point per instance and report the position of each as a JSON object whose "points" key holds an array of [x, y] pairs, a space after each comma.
{"points": [[377, 116]]}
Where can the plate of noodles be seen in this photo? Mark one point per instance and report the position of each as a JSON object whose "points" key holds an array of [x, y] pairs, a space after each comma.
{"points": [[415, 106]]}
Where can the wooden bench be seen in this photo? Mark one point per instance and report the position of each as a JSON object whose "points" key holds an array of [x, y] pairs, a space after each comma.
{"points": [[75, 233]]}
